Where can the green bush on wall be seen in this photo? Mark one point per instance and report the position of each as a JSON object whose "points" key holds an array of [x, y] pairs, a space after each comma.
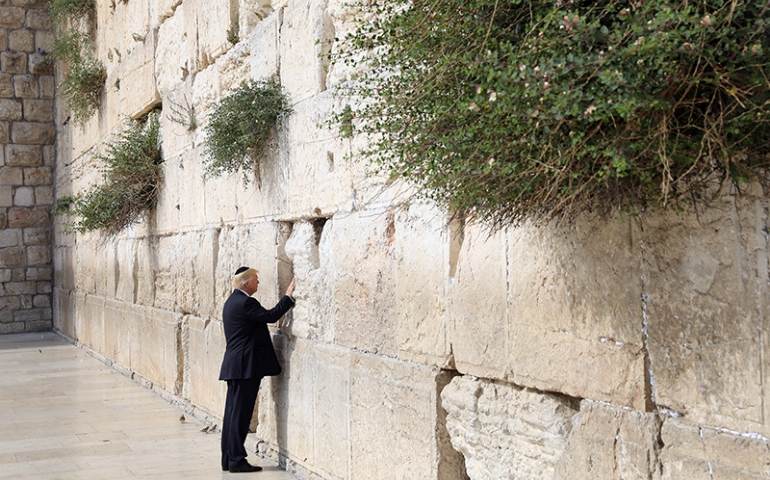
{"points": [[131, 181], [512, 110], [83, 85], [239, 127]]}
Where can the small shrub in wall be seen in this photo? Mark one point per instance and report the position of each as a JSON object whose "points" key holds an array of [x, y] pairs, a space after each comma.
{"points": [[131, 181], [239, 127], [83, 84]]}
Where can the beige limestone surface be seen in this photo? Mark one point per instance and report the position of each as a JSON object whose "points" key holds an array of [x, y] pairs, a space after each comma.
{"points": [[65, 415]]}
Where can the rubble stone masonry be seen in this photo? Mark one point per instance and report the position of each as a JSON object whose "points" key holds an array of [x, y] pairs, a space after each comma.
{"points": [[27, 159]]}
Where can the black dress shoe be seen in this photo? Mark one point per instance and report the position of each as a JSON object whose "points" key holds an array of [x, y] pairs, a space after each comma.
{"points": [[245, 467]]}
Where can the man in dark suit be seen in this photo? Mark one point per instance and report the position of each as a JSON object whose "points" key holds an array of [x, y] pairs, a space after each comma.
{"points": [[249, 356]]}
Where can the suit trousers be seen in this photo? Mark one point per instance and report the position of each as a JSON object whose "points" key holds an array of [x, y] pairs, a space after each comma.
{"points": [[239, 407]]}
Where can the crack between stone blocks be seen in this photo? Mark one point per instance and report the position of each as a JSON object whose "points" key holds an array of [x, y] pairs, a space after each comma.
{"points": [[649, 377]]}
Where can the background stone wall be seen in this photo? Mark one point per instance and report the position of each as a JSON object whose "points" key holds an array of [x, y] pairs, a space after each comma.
{"points": [[420, 348], [27, 135]]}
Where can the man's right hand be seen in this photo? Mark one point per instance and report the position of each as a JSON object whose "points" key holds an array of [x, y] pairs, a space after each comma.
{"points": [[290, 290]]}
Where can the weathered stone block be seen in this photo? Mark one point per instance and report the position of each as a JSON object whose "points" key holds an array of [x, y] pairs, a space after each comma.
{"points": [[305, 27], [10, 303], [12, 257], [44, 273], [6, 196], [38, 325], [11, 176], [706, 300], [12, 17], [194, 268], [28, 217], [10, 109], [10, 237], [37, 236], [90, 321], [41, 301], [44, 287], [422, 258], [44, 196], [22, 40], [38, 176], [23, 155], [504, 431], [24, 197], [356, 259], [609, 440], [3, 38], [251, 14], [170, 67], [6, 85], [18, 275], [558, 318], [39, 19], [20, 288], [39, 255], [38, 110], [393, 422], [30, 3], [64, 312], [30, 133], [6, 328], [480, 337], [26, 86], [5, 275], [5, 129], [264, 46], [692, 451], [204, 347], [47, 86], [13, 62]]}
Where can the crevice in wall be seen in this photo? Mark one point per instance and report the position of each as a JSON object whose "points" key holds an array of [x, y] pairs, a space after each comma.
{"points": [[179, 381], [649, 378], [456, 237], [325, 41], [330, 161], [451, 463]]}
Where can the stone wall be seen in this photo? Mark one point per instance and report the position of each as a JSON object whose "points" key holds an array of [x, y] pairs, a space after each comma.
{"points": [[27, 135], [420, 348]]}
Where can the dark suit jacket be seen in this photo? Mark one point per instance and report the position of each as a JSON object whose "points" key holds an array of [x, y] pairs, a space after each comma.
{"points": [[250, 352]]}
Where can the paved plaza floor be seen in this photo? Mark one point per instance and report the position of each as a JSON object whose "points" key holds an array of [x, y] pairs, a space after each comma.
{"points": [[66, 415]]}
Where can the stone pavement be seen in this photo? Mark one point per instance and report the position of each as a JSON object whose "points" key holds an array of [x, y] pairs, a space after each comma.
{"points": [[65, 415]]}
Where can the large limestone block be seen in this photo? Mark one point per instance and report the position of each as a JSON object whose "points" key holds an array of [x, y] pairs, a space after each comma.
{"points": [[192, 207], [64, 259], [345, 17], [64, 312], [394, 424], [168, 209], [611, 442], [165, 9], [234, 66], [158, 334], [164, 257], [479, 337], [137, 87], [194, 267], [203, 346], [171, 68], [286, 405], [125, 266], [356, 260], [122, 26], [264, 40], [694, 452], [422, 257], [331, 392], [221, 202], [575, 310], [305, 33], [90, 321], [207, 23], [179, 121], [707, 297], [144, 272], [120, 322], [505, 431], [320, 180]]}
